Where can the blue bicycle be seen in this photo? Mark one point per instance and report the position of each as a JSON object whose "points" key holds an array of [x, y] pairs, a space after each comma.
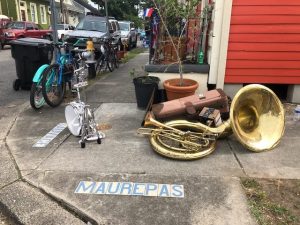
{"points": [[55, 76]]}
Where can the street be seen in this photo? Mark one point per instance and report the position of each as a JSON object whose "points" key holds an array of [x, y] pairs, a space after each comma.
{"points": [[9, 97], [10, 101]]}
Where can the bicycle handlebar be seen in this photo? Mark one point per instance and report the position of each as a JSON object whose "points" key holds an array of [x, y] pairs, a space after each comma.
{"points": [[62, 44]]}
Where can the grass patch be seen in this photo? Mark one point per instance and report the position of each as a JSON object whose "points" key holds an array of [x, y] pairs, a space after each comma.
{"points": [[266, 202], [132, 53]]}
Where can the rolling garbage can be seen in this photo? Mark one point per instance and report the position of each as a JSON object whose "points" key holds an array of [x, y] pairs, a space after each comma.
{"points": [[29, 55], [144, 87]]}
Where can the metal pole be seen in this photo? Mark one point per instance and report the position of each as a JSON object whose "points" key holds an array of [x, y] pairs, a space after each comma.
{"points": [[62, 11], [53, 21], [106, 14], [53, 25]]}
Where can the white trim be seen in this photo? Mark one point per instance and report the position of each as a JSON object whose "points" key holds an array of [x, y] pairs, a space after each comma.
{"points": [[224, 44], [220, 37], [43, 19], [35, 13], [23, 8], [216, 41]]}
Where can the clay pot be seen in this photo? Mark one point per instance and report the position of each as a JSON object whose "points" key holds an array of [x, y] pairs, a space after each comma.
{"points": [[175, 91]]}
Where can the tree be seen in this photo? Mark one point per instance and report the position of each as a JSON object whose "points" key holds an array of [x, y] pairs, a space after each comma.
{"points": [[121, 10]]}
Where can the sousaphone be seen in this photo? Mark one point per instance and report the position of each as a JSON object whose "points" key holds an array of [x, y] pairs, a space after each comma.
{"points": [[256, 119]]}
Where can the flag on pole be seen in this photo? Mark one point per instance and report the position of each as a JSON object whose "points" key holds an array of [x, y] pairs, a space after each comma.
{"points": [[148, 12]]}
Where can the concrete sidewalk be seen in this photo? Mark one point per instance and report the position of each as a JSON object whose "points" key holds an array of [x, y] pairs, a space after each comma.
{"points": [[38, 184]]}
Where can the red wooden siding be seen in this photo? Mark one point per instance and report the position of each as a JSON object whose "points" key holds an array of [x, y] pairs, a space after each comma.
{"points": [[264, 42]]}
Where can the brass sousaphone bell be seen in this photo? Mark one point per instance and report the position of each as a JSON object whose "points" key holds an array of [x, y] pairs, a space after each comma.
{"points": [[256, 119]]}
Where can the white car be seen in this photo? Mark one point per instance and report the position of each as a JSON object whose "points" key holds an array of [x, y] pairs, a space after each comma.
{"points": [[128, 34], [63, 29]]}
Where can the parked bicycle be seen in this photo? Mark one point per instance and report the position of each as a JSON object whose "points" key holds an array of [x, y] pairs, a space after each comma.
{"points": [[107, 56], [55, 77]]}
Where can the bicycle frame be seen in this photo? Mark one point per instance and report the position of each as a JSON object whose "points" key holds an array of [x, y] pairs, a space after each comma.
{"points": [[61, 59]]}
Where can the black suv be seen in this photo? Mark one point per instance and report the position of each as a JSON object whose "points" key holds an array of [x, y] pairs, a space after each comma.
{"points": [[94, 27]]}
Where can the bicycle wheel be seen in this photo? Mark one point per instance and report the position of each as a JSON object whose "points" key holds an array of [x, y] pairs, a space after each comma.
{"points": [[53, 86], [100, 65], [36, 96], [116, 60], [110, 62]]}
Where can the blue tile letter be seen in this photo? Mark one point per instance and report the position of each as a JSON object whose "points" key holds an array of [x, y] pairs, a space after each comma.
{"points": [[85, 187]]}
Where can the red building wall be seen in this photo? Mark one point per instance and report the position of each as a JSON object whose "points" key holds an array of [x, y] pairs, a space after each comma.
{"points": [[264, 42]]}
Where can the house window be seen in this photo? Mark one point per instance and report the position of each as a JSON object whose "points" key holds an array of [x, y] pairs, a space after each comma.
{"points": [[33, 12], [23, 11], [43, 14]]}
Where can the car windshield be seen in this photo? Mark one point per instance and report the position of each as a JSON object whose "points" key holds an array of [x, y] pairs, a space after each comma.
{"points": [[16, 25], [92, 25], [124, 26]]}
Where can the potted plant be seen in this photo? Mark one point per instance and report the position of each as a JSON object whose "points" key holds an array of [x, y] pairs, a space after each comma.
{"points": [[173, 16], [145, 87]]}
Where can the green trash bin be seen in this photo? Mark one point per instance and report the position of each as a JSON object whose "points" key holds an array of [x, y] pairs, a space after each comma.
{"points": [[29, 54]]}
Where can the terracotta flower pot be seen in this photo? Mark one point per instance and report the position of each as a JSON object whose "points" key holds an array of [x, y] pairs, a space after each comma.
{"points": [[175, 91]]}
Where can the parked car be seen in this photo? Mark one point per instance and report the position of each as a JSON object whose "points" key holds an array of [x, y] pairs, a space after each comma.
{"points": [[63, 29], [21, 29], [94, 27], [3, 21], [141, 33], [128, 34]]}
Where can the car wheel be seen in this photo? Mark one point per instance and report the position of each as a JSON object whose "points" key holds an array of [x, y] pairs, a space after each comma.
{"points": [[17, 84], [129, 45], [48, 37]]}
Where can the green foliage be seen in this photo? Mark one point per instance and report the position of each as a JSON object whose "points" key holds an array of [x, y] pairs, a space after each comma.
{"points": [[131, 54], [262, 206], [121, 10], [177, 9]]}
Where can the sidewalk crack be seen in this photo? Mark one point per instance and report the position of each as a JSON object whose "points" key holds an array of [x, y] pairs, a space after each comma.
{"points": [[236, 158], [65, 205], [53, 150], [9, 150]]}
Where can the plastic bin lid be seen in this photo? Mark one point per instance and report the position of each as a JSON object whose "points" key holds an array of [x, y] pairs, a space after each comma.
{"points": [[38, 42]]}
